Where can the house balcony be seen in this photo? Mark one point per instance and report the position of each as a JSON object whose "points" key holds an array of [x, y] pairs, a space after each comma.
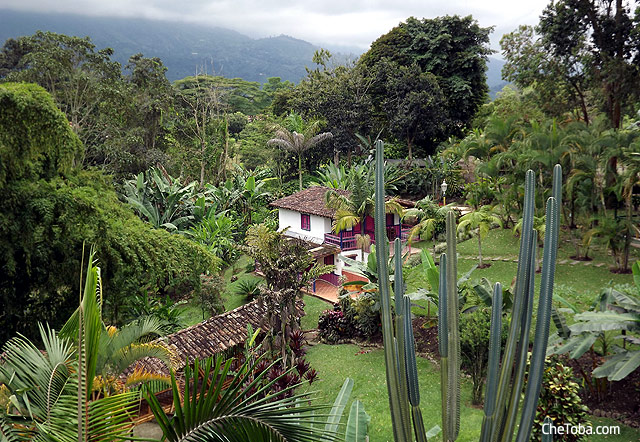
{"points": [[346, 240]]}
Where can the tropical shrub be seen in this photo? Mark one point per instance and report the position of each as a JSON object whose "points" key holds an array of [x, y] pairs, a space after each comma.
{"points": [[248, 288], [36, 140], [474, 348], [333, 327], [165, 311], [596, 331], [362, 313], [259, 404], [161, 199], [217, 233], [72, 390], [287, 267], [559, 400], [210, 296]]}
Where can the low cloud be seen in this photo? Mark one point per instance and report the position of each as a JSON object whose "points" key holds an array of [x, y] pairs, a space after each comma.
{"points": [[335, 22]]}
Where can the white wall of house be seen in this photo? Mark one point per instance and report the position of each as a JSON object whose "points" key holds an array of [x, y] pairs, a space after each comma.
{"points": [[292, 219], [353, 254]]}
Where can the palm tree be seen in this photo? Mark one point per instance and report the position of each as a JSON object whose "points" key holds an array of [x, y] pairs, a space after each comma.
{"points": [[52, 388], [300, 140], [353, 208], [117, 349], [481, 219], [430, 218]]}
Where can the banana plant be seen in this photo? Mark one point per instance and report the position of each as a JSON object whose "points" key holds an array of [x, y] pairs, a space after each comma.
{"points": [[612, 311], [505, 383]]}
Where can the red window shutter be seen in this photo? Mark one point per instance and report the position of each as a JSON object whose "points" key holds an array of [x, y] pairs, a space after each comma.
{"points": [[305, 221]]}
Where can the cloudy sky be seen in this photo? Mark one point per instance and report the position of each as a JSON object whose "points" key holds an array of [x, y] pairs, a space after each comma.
{"points": [[335, 22]]}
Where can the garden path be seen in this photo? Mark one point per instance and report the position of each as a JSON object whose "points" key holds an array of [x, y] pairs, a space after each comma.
{"points": [[515, 259]]}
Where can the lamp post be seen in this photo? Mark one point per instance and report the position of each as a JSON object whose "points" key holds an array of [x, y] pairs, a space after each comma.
{"points": [[444, 186]]}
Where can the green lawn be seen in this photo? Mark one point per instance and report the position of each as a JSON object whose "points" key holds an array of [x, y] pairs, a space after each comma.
{"points": [[313, 308], [334, 363], [579, 283], [230, 298], [192, 314]]}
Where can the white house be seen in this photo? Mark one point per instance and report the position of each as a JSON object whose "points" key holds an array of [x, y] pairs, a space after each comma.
{"points": [[305, 216]]}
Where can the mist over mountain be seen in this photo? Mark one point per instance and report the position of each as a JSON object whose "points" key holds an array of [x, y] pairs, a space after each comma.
{"points": [[189, 48]]}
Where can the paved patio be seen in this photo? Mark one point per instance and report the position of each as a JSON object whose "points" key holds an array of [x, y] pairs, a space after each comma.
{"points": [[329, 292]]}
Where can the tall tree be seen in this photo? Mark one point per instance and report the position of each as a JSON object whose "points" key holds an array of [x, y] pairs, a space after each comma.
{"points": [[413, 106], [79, 78], [153, 95], [340, 96], [611, 33], [203, 127], [561, 82], [288, 267], [454, 49]]}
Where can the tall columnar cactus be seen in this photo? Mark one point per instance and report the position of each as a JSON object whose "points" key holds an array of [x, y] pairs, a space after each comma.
{"points": [[505, 384]]}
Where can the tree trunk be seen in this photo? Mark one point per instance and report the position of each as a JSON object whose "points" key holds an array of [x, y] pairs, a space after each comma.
{"points": [[203, 148], [627, 241], [583, 104], [300, 169]]}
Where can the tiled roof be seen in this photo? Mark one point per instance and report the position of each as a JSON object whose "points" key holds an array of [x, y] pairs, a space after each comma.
{"points": [[309, 201], [320, 250], [207, 338]]}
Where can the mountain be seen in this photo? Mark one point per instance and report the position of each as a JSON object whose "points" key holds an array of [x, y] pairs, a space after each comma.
{"points": [[187, 48], [494, 76], [184, 48]]}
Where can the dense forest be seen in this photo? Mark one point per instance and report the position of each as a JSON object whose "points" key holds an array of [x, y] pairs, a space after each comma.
{"points": [[167, 185], [411, 89]]}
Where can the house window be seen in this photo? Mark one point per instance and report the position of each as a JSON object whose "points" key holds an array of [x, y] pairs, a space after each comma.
{"points": [[389, 219], [305, 221], [329, 260]]}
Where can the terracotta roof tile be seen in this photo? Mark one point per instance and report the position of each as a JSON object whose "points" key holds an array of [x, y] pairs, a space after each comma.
{"points": [[209, 337], [309, 201]]}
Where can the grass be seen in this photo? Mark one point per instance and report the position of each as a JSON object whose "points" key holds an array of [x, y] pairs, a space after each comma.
{"points": [[313, 308], [230, 298], [192, 314], [337, 362], [579, 283]]}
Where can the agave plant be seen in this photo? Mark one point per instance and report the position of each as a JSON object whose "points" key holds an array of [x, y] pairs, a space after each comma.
{"points": [[505, 380]]}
